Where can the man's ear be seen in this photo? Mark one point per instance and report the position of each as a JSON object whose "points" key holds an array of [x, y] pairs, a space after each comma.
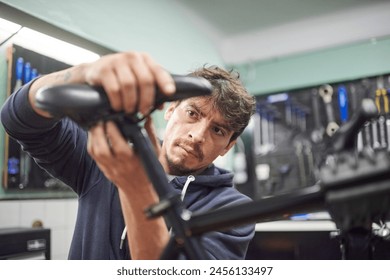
{"points": [[228, 147], [169, 111]]}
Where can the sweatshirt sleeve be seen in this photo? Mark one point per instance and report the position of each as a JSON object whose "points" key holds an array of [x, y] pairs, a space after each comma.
{"points": [[19, 118], [59, 147], [224, 244], [230, 244]]}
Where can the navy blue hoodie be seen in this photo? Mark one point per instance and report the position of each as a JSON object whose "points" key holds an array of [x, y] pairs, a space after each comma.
{"points": [[60, 148]]}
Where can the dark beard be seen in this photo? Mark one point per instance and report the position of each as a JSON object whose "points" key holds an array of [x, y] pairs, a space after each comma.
{"points": [[178, 169]]}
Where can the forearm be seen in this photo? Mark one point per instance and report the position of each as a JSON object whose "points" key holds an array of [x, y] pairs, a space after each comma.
{"points": [[147, 237]]}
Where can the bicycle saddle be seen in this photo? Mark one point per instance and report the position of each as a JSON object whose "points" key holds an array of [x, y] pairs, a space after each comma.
{"points": [[86, 105]]}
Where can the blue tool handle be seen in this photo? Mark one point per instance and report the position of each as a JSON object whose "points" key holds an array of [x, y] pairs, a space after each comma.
{"points": [[19, 68], [34, 73], [343, 103], [27, 72]]}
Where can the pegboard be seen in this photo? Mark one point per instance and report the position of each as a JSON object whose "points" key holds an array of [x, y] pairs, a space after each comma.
{"points": [[292, 130]]}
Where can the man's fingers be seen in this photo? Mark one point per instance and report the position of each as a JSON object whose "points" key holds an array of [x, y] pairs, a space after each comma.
{"points": [[119, 145], [163, 79], [98, 147], [129, 80], [129, 89], [150, 129], [145, 83]]}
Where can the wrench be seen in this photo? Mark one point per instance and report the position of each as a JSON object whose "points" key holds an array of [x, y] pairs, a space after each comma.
{"points": [[381, 94], [326, 92], [354, 106], [318, 132], [301, 163], [387, 92]]}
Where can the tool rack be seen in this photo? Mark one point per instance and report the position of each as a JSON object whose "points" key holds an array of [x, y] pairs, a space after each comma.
{"points": [[291, 130]]}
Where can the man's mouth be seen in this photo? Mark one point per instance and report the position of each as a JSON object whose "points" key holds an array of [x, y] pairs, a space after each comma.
{"points": [[191, 151]]}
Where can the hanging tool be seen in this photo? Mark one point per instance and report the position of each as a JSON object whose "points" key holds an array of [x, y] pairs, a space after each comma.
{"points": [[355, 101], [299, 152], [318, 132], [257, 131], [326, 92], [367, 141], [271, 129], [262, 125], [19, 73], [387, 116], [288, 111], [343, 103], [382, 104], [27, 73], [388, 134], [364, 91], [34, 73], [301, 113], [310, 161]]}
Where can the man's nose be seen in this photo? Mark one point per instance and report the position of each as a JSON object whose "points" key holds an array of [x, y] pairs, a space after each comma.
{"points": [[198, 132]]}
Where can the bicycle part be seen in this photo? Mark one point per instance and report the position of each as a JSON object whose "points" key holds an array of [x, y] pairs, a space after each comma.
{"points": [[345, 138], [172, 210], [267, 209], [87, 105]]}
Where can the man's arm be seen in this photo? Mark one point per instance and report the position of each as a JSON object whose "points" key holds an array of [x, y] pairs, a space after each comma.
{"points": [[129, 80], [147, 238]]}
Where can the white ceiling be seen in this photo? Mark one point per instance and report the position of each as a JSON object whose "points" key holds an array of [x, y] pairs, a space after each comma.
{"points": [[249, 30], [233, 17]]}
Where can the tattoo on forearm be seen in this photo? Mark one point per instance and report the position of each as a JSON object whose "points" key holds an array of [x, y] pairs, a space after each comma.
{"points": [[67, 76], [64, 76]]}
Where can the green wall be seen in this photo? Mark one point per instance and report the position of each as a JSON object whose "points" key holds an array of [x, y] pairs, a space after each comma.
{"points": [[348, 62], [156, 27]]}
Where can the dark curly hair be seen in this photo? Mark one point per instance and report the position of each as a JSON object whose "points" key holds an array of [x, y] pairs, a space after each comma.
{"points": [[229, 97]]}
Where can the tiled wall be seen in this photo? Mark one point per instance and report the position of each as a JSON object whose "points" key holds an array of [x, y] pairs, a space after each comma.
{"points": [[59, 215]]}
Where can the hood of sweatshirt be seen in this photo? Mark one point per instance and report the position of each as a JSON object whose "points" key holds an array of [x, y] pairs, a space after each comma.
{"points": [[211, 189]]}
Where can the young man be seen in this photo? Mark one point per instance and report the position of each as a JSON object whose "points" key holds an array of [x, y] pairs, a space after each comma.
{"points": [[108, 177]]}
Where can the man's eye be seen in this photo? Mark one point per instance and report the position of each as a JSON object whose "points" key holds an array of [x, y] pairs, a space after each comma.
{"points": [[191, 114], [219, 131]]}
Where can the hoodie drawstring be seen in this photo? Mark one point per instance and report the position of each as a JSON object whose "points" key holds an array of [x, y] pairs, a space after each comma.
{"points": [[123, 237], [190, 179]]}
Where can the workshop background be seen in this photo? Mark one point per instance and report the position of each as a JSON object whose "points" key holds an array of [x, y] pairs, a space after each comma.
{"points": [[288, 52]]}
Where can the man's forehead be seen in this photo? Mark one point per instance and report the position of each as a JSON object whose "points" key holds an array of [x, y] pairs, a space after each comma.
{"points": [[201, 103], [206, 107]]}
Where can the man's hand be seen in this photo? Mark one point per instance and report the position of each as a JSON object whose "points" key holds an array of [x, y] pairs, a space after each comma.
{"points": [[118, 161], [115, 156], [129, 79]]}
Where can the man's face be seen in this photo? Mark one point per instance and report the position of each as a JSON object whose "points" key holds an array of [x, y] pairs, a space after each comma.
{"points": [[196, 134]]}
